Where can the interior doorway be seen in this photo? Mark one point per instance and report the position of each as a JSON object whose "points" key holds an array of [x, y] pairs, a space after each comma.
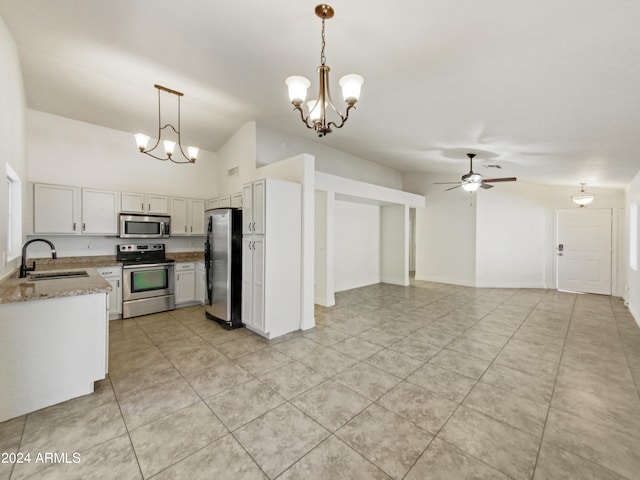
{"points": [[583, 249]]}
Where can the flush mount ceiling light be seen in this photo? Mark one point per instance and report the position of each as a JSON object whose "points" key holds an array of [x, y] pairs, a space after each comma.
{"points": [[582, 198], [316, 118], [142, 140]]}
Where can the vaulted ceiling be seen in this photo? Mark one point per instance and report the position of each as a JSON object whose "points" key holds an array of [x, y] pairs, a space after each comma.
{"points": [[549, 90]]}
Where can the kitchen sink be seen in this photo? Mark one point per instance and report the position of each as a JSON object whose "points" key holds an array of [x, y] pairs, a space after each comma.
{"points": [[57, 275]]}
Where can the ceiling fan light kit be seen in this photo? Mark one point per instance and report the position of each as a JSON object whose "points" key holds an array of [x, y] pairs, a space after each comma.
{"points": [[472, 181], [316, 116], [582, 198], [142, 140]]}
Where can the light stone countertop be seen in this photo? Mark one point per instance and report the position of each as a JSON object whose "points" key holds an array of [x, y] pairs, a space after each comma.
{"points": [[14, 289], [23, 290]]}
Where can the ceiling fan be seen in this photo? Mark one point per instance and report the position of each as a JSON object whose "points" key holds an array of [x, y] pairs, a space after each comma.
{"points": [[473, 181]]}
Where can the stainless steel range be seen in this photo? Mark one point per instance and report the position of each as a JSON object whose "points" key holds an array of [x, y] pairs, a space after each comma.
{"points": [[147, 279]]}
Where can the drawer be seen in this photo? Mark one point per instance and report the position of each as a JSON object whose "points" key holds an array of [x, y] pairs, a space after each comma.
{"points": [[184, 266], [109, 271]]}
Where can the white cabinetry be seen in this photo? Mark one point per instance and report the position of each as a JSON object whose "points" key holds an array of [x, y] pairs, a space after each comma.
{"points": [[100, 212], [56, 209], [145, 203], [225, 202], [60, 209], [201, 281], [113, 275], [213, 203], [187, 216], [236, 200], [185, 283], [271, 257]]}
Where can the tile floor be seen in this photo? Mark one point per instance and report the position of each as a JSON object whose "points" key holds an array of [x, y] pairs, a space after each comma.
{"points": [[430, 381]]}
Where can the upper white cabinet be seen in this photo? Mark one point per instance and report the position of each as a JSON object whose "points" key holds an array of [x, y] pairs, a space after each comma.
{"points": [[236, 200], [213, 203], [187, 216], [60, 209], [253, 208], [56, 209], [145, 203], [225, 202], [100, 212]]}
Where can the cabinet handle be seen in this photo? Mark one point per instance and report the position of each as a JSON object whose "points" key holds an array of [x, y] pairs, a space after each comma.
{"points": [[254, 226], [191, 228], [84, 226], [249, 226], [185, 229], [142, 206], [149, 209], [74, 226], [118, 283], [254, 246]]}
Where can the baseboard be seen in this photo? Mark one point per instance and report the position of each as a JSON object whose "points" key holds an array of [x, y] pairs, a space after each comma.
{"points": [[452, 281], [634, 313]]}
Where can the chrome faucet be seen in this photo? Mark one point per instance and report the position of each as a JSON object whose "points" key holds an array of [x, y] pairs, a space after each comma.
{"points": [[23, 266]]}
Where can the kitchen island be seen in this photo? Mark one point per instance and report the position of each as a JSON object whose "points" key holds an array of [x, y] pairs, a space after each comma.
{"points": [[53, 339]]}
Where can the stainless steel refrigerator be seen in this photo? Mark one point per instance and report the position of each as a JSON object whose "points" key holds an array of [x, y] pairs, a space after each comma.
{"points": [[223, 262]]}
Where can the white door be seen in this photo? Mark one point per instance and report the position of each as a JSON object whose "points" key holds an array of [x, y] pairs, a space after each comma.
{"points": [[583, 248]]}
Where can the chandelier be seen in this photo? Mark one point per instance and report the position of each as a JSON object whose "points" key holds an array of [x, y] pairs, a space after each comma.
{"points": [[316, 116], [169, 146], [582, 198]]}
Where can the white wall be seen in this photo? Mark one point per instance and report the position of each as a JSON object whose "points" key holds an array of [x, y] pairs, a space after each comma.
{"points": [[69, 152], [273, 145], [394, 254], [324, 249], [357, 245], [239, 151], [632, 291], [12, 133]]}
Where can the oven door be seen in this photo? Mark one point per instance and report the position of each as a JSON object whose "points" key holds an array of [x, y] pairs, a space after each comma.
{"points": [[147, 281]]}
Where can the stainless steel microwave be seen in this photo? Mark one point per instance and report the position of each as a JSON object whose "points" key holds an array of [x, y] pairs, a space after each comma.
{"points": [[144, 226]]}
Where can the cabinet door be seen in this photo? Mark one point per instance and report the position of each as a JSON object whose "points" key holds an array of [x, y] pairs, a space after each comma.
{"points": [[213, 203], [157, 204], [115, 297], [197, 217], [132, 202], [259, 197], [225, 202], [247, 272], [200, 282], [257, 284], [236, 200], [56, 209], [185, 287], [179, 216], [99, 212], [247, 208]]}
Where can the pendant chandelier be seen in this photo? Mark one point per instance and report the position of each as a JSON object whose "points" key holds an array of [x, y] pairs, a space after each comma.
{"points": [[169, 146], [582, 198], [316, 116]]}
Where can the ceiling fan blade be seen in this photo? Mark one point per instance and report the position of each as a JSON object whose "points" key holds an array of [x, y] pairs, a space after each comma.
{"points": [[505, 179], [452, 188], [485, 186], [445, 183]]}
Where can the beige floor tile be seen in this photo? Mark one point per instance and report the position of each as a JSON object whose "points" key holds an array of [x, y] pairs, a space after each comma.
{"points": [[334, 460], [366, 380], [292, 379], [381, 336], [604, 445], [280, 438], [385, 439], [443, 461], [507, 407], [243, 403], [262, 361], [224, 459], [447, 383], [328, 362], [527, 364], [475, 348], [325, 335], [145, 405], [170, 439], [298, 347], [419, 406], [242, 346], [331, 404], [467, 365], [534, 388], [395, 363], [357, 348], [197, 359], [415, 348], [214, 380], [127, 381], [555, 463], [504, 447], [114, 460]]}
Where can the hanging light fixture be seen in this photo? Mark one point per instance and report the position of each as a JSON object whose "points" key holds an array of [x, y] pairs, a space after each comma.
{"points": [[582, 198], [316, 116], [169, 146]]}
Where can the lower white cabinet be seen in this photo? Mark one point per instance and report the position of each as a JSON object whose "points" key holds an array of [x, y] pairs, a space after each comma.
{"points": [[113, 275], [185, 283], [201, 281], [253, 282]]}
